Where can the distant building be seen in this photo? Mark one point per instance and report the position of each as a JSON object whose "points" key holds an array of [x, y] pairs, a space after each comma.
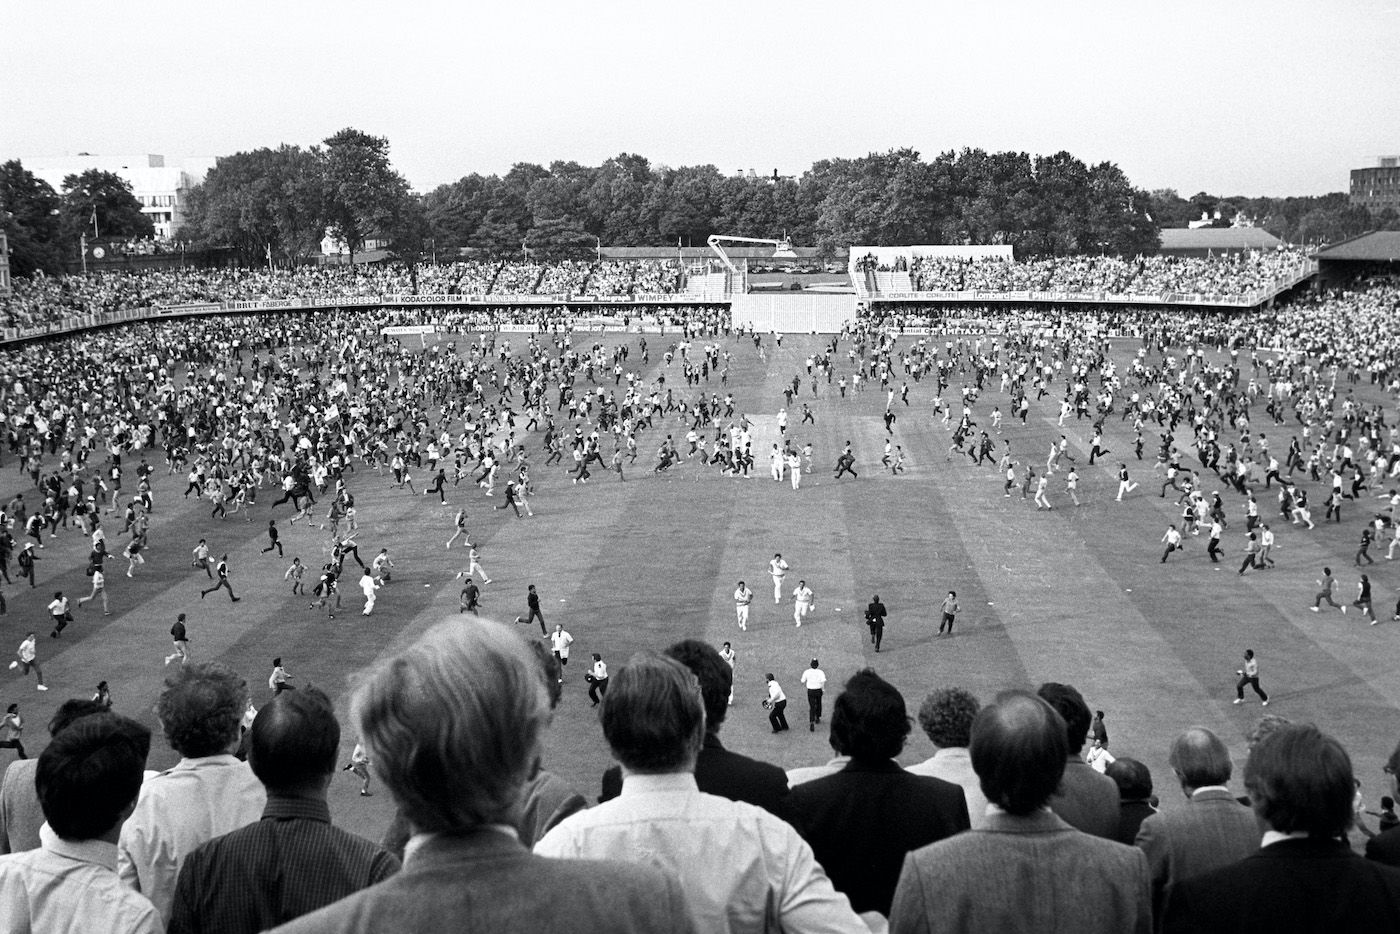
{"points": [[1378, 187], [163, 190]]}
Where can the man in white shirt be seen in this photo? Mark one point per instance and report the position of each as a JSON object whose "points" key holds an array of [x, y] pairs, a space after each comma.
{"points": [[726, 652], [776, 704], [802, 602], [743, 597], [814, 680], [946, 717], [777, 569], [559, 642], [207, 794], [88, 779], [368, 587], [745, 870], [27, 657]]}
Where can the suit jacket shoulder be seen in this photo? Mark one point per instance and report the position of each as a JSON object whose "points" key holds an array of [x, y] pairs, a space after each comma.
{"points": [[718, 771], [1294, 885], [1038, 866], [1087, 800], [1385, 848], [472, 884], [862, 821]]}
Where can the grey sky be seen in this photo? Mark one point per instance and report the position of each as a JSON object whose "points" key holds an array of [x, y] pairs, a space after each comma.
{"points": [[1230, 96]]}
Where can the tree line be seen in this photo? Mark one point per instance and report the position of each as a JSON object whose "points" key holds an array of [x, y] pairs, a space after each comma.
{"points": [[280, 202]]}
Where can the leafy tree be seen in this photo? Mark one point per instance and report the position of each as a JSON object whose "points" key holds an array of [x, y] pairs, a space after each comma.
{"points": [[107, 196], [557, 238], [260, 200], [29, 215], [362, 191], [410, 235]]}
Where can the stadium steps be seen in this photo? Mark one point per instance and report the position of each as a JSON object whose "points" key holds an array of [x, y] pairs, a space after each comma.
{"points": [[893, 282]]}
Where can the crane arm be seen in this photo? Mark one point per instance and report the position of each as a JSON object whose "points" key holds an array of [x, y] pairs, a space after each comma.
{"points": [[782, 246]]}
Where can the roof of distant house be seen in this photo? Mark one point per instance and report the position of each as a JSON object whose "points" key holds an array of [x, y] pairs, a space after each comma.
{"points": [[1377, 246], [1218, 238]]}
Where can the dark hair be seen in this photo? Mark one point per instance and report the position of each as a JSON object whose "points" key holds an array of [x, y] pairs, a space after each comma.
{"points": [[13, 708], [1019, 747], [201, 708], [549, 670], [294, 739], [90, 773], [653, 716], [1132, 777], [715, 676], [946, 716], [1069, 704], [71, 710], [1200, 758], [869, 721], [1300, 779]]}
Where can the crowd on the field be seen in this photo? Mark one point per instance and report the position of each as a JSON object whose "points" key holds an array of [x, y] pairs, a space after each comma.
{"points": [[692, 837]]}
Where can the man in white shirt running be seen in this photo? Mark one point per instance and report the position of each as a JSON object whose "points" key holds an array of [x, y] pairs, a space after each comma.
{"points": [[802, 602], [743, 597], [814, 680], [777, 569]]}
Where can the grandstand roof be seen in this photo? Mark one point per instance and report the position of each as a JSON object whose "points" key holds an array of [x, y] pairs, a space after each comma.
{"points": [[1218, 238], [1378, 246], [698, 252]]}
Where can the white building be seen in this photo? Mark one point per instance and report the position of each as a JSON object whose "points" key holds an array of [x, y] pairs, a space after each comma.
{"points": [[162, 189]]}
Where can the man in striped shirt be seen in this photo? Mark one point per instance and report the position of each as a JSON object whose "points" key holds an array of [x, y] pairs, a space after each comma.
{"points": [[293, 861]]}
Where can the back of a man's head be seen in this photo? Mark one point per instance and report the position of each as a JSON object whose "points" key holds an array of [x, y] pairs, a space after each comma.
{"points": [[90, 774], [201, 708], [869, 721], [1200, 758], [1018, 750], [454, 724], [715, 676], [653, 717], [294, 741], [549, 666], [1133, 779], [1069, 704], [71, 710], [1300, 780], [946, 716]]}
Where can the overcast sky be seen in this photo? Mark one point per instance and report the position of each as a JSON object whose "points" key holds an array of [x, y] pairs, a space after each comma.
{"points": [[1228, 96]]}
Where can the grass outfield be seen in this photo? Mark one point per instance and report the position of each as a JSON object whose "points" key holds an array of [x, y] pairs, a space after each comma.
{"points": [[1075, 595]]}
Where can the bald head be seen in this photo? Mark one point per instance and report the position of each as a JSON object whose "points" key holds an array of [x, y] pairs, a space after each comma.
{"points": [[1019, 746], [1199, 759]]}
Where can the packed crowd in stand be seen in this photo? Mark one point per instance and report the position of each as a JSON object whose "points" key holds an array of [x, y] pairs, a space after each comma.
{"points": [[46, 299], [1023, 820], [1226, 276], [43, 300]]}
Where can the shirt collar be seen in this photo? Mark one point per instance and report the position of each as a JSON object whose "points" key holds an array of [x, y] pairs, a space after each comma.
{"points": [[99, 852], [296, 806], [1199, 792], [206, 762], [1273, 836], [419, 840], [669, 781]]}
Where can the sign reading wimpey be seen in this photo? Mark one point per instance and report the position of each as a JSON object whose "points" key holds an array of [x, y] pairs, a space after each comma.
{"points": [[407, 329]]}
